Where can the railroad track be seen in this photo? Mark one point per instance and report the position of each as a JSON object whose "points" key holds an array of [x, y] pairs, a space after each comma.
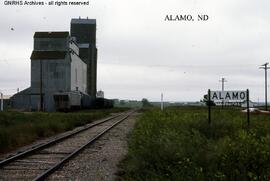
{"points": [[39, 162]]}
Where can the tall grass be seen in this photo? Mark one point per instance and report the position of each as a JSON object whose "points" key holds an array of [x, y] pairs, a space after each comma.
{"points": [[18, 129], [179, 144]]}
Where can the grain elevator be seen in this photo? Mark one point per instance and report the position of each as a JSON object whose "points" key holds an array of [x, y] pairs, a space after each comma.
{"points": [[63, 69]]}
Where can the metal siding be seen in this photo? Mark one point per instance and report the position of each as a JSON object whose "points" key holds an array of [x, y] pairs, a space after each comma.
{"points": [[55, 78], [80, 66]]}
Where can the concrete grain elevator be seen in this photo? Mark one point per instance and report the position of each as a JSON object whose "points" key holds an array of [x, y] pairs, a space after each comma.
{"points": [[85, 32]]}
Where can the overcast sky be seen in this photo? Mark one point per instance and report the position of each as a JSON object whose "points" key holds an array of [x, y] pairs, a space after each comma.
{"points": [[142, 55]]}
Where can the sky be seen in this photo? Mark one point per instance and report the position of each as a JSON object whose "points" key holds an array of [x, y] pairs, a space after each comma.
{"points": [[140, 55]]}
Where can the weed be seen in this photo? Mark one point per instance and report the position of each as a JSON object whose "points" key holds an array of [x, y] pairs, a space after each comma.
{"points": [[179, 144], [18, 129]]}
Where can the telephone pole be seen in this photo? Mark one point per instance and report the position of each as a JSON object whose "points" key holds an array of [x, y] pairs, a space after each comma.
{"points": [[161, 105], [223, 80], [265, 67]]}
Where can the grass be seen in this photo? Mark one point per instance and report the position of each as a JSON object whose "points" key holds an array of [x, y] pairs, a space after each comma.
{"points": [[179, 144], [18, 129]]}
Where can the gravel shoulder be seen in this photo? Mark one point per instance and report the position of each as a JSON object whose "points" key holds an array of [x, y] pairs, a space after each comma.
{"points": [[99, 161]]}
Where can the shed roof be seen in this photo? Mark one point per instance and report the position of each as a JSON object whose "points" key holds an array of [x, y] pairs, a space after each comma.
{"points": [[39, 55], [55, 34]]}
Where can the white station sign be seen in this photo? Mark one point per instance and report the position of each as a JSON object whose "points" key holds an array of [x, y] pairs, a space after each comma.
{"points": [[235, 96]]}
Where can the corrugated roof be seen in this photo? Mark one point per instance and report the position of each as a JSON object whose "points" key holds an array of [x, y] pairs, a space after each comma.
{"points": [[37, 55], [83, 21], [56, 34]]}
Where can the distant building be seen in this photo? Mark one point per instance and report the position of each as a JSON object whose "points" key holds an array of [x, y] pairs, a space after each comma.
{"points": [[100, 94], [6, 101], [5, 97], [244, 104]]}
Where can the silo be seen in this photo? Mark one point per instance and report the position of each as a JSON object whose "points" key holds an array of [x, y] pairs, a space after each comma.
{"points": [[84, 30]]}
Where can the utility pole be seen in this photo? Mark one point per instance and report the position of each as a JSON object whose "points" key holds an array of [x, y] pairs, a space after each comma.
{"points": [[2, 102], [161, 105], [265, 67], [223, 80]]}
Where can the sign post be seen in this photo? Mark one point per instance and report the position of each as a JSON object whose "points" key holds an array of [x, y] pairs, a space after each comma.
{"points": [[209, 106]]}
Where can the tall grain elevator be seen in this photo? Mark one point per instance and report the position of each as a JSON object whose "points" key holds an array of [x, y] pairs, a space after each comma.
{"points": [[85, 32]]}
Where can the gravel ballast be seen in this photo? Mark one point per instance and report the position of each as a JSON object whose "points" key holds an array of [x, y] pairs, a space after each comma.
{"points": [[99, 161]]}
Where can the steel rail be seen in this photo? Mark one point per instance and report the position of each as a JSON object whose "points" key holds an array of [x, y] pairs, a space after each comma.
{"points": [[30, 151], [48, 172]]}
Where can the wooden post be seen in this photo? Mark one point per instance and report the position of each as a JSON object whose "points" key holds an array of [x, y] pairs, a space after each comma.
{"points": [[209, 106], [248, 112]]}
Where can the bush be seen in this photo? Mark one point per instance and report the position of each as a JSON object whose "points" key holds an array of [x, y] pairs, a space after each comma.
{"points": [[18, 129], [179, 144]]}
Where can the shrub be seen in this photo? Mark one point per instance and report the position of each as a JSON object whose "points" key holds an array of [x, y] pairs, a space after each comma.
{"points": [[179, 144], [18, 129]]}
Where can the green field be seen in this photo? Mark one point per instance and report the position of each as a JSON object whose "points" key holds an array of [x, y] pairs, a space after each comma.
{"points": [[18, 129], [179, 144]]}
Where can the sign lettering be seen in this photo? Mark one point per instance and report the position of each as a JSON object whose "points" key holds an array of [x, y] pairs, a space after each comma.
{"points": [[218, 96]]}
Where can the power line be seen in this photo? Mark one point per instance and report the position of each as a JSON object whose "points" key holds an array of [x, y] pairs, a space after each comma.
{"points": [[265, 67]]}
